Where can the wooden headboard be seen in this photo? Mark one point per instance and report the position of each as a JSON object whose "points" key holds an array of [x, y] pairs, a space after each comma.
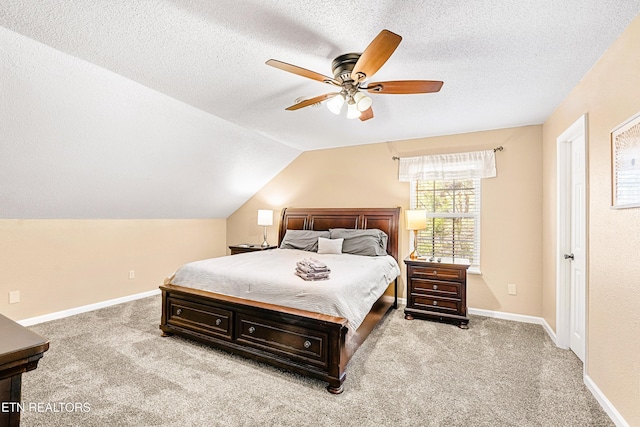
{"points": [[320, 219]]}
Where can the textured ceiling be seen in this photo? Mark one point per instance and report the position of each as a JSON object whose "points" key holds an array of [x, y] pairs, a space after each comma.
{"points": [[503, 64]]}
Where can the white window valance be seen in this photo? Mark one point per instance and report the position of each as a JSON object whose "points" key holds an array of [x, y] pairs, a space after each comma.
{"points": [[476, 164]]}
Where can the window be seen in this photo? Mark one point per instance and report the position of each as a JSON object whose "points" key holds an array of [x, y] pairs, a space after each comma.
{"points": [[453, 219], [447, 187]]}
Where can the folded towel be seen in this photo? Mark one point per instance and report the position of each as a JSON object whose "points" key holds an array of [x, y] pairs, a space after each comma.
{"points": [[312, 276], [312, 269], [306, 269], [312, 265]]}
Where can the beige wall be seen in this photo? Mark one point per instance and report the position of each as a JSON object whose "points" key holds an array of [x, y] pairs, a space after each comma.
{"points": [[366, 176], [62, 264], [609, 94]]}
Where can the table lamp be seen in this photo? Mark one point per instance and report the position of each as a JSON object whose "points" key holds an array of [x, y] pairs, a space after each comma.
{"points": [[265, 218], [415, 219]]}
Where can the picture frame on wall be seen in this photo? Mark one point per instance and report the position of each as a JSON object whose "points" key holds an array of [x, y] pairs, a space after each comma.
{"points": [[625, 164]]}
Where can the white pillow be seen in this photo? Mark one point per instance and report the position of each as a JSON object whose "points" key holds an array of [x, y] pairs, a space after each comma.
{"points": [[329, 246]]}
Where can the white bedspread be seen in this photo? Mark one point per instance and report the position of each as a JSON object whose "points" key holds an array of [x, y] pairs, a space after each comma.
{"points": [[355, 282]]}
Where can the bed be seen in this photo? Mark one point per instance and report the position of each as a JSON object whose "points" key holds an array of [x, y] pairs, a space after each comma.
{"points": [[299, 340]]}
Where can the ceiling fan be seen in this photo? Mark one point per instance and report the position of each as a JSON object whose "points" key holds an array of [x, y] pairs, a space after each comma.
{"points": [[351, 72]]}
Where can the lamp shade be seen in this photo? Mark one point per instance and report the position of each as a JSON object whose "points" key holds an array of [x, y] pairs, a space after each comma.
{"points": [[335, 104], [416, 219], [362, 101], [265, 217], [352, 111]]}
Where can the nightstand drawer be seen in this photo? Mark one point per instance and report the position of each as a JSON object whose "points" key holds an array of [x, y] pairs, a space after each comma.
{"points": [[442, 273], [436, 288], [441, 305]]}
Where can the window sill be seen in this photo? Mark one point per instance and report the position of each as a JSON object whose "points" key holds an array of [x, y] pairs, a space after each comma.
{"points": [[474, 270]]}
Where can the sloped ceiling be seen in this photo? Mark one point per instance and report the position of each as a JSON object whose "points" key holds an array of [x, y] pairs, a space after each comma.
{"points": [[161, 109]]}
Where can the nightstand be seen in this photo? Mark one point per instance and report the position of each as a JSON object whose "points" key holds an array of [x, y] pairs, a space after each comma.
{"points": [[437, 291], [238, 249]]}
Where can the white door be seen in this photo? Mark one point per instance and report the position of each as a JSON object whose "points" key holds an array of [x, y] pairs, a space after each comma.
{"points": [[571, 262], [578, 255]]}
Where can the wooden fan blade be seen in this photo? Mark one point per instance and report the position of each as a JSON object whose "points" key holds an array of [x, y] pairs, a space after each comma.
{"points": [[375, 55], [404, 86], [366, 114], [311, 101], [301, 71]]}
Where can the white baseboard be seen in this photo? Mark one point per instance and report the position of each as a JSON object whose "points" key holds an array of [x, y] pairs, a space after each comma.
{"points": [[517, 318], [550, 332], [506, 316], [604, 402], [85, 308]]}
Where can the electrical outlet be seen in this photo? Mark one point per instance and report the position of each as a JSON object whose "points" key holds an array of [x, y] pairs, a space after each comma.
{"points": [[14, 297], [512, 288], [132, 274]]}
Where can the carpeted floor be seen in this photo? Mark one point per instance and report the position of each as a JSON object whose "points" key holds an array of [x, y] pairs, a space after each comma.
{"points": [[110, 367]]}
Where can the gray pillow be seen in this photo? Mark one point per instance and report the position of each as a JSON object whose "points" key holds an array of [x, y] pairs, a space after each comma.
{"points": [[371, 242], [306, 240]]}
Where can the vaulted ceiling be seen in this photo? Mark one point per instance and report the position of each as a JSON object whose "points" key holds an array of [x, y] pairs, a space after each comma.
{"points": [[166, 109]]}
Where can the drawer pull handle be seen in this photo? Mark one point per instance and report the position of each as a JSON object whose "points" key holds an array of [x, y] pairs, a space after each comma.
{"points": [[252, 330], [435, 303], [435, 273], [435, 287], [179, 311], [218, 321], [307, 344]]}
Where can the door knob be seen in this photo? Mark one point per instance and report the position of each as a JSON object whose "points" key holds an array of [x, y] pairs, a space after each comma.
{"points": [[568, 256]]}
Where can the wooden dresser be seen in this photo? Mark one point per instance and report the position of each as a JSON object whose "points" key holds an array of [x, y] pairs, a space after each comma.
{"points": [[437, 291], [20, 351]]}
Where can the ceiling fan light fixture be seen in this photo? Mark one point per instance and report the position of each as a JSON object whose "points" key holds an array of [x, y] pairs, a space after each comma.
{"points": [[335, 104], [363, 102], [352, 111], [351, 74]]}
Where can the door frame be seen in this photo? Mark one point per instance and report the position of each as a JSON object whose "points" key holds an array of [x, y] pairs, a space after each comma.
{"points": [[563, 239]]}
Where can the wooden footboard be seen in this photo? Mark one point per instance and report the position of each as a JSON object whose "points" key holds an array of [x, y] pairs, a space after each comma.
{"points": [[311, 344]]}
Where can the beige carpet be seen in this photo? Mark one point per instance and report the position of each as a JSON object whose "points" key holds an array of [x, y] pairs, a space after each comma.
{"points": [[113, 363]]}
